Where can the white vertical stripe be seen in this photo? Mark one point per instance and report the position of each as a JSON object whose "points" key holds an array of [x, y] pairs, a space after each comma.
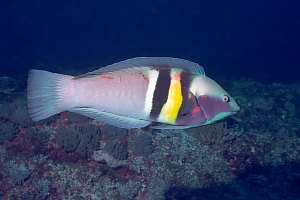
{"points": [[194, 85], [153, 76]]}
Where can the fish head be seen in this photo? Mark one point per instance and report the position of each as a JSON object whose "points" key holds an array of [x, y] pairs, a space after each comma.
{"points": [[213, 101]]}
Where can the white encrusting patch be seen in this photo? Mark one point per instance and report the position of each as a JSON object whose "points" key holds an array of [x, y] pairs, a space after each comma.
{"points": [[153, 76]]}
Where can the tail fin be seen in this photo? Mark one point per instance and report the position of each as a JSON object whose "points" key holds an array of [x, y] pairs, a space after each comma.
{"points": [[43, 93]]}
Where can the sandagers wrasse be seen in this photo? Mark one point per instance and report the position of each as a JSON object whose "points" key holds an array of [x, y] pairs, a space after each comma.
{"points": [[161, 92]]}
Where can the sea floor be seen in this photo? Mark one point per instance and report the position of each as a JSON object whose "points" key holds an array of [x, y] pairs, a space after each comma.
{"points": [[252, 155]]}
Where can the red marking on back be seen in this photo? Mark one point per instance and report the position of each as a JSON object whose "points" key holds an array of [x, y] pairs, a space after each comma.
{"points": [[144, 77], [106, 77]]}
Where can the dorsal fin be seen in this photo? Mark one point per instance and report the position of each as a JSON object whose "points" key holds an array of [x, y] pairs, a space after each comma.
{"points": [[152, 62]]}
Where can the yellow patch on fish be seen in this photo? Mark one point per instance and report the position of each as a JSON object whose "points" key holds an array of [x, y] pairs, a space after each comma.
{"points": [[171, 108]]}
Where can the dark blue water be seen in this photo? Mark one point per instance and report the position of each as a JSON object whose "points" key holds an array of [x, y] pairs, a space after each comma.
{"points": [[258, 39]]}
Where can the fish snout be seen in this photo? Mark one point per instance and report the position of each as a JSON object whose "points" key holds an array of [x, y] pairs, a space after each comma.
{"points": [[234, 107]]}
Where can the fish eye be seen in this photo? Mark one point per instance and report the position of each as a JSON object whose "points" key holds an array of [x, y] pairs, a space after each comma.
{"points": [[226, 98]]}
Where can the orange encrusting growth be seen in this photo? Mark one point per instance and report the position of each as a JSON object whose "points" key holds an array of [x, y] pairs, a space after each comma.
{"points": [[171, 108]]}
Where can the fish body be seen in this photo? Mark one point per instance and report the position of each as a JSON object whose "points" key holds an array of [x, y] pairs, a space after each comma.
{"points": [[171, 93]]}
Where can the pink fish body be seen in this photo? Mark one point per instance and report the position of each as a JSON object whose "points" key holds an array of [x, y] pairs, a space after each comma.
{"points": [[170, 92]]}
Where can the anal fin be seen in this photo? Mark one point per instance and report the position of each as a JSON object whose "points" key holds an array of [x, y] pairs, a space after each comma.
{"points": [[112, 119], [169, 126]]}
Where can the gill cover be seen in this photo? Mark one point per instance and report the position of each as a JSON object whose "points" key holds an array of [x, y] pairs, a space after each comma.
{"points": [[213, 100]]}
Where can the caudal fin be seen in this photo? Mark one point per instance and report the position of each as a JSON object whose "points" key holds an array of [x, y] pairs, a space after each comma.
{"points": [[44, 94]]}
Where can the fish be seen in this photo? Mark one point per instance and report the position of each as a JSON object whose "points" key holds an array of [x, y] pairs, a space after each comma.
{"points": [[155, 92]]}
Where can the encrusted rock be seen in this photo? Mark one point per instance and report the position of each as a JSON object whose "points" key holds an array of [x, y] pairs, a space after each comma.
{"points": [[290, 107], [117, 149], [41, 135], [27, 196], [89, 140], [7, 84], [128, 190], [68, 137], [18, 172], [142, 146], [214, 134], [42, 189], [16, 111], [8, 131], [156, 189], [262, 104], [76, 118], [113, 133], [102, 156], [82, 139]]}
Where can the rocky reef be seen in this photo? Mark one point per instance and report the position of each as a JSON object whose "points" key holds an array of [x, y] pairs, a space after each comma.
{"points": [[252, 155]]}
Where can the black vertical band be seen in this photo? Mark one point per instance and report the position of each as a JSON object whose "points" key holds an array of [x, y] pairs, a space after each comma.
{"points": [[161, 92], [185, 81]]}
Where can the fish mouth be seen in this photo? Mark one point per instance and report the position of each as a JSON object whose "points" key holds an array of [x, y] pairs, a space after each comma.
{"points": [[235, 109], [234, 112]]}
